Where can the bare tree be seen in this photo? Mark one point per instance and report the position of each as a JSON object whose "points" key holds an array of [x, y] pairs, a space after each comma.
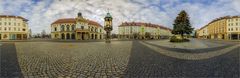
{"points": [[43, 34]]}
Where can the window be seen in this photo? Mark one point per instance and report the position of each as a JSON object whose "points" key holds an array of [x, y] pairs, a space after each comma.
{"points": [[231, 29], [55, 29], [82, 27], [68, 28], [236, 23], [5, 23], [62, 28], [0, 23], [14, 24], [73, 27], [18, 24], [9, 23], [23, 29]]}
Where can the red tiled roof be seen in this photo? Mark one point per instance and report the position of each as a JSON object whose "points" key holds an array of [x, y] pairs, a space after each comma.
{"points": [[12, 16], [73, 20], [141, 23], [220, 18], [93, 23], [65, 20]]}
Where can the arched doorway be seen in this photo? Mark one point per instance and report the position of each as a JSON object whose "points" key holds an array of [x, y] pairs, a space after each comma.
{"points": [[92, 36], [63, 36], [96, 36], [73, 36], [83, 34], [68, 36]]}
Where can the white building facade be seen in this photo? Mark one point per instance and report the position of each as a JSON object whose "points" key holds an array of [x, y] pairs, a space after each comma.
{"points": [[233, 28], [139, 30], [13, 28]]}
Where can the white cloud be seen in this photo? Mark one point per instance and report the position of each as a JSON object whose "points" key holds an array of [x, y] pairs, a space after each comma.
{"points": [[163, 12]]}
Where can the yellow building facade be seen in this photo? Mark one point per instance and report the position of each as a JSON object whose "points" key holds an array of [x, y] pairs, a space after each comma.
{"points": [[76, 29], [13, 28], [139, 30], [226, 28]]}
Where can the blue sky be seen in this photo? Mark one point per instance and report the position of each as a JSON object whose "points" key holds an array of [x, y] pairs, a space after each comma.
{"points": [[41, 13]]}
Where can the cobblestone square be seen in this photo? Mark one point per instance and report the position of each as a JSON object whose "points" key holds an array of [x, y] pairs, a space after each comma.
{"points": [[124, 59]]}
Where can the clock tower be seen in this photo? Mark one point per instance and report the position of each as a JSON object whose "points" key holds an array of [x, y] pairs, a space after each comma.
{"points": [[108, 27]]}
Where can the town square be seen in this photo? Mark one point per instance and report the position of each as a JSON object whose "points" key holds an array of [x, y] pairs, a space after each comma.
{"points": [[119, 39]]}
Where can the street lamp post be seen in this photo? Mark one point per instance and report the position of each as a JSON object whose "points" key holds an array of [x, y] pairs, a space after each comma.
{"points": [[108, 27]]}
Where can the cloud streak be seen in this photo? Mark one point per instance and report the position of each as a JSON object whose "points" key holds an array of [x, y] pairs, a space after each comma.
{"points": [[42, 13]]}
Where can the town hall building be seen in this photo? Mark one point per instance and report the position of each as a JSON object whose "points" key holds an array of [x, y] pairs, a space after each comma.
{"points": [[77, 28]]}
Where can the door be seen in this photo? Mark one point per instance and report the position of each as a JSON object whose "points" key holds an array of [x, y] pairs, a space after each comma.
{"points": [[73, 36], [83, 36], [68, 36], [63, 36]]}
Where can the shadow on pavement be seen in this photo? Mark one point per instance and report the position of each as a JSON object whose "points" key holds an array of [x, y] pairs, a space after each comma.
{"points": [[9, 63], [144, 62]]}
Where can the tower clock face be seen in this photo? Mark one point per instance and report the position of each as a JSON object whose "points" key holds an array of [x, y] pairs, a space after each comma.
{"points": [[108, 23]]}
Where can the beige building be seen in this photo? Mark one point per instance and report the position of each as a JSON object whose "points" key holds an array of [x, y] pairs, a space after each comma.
{"points": [[13, 28], [227, 28], [77, 28], [139, 30]]}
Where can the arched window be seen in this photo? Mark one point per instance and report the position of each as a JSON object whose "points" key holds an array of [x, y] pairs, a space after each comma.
{"points": [[73, 27], [68, 28], [62, 28]]}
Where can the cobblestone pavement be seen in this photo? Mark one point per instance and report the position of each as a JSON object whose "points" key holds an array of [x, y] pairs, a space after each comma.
{"points": [[118, 59]]}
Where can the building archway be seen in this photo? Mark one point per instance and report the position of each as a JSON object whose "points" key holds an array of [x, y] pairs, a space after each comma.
{"points": [[68, 36], [92, 36], [63, 36], [83, 34], [73, 36], [96, 36]]}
